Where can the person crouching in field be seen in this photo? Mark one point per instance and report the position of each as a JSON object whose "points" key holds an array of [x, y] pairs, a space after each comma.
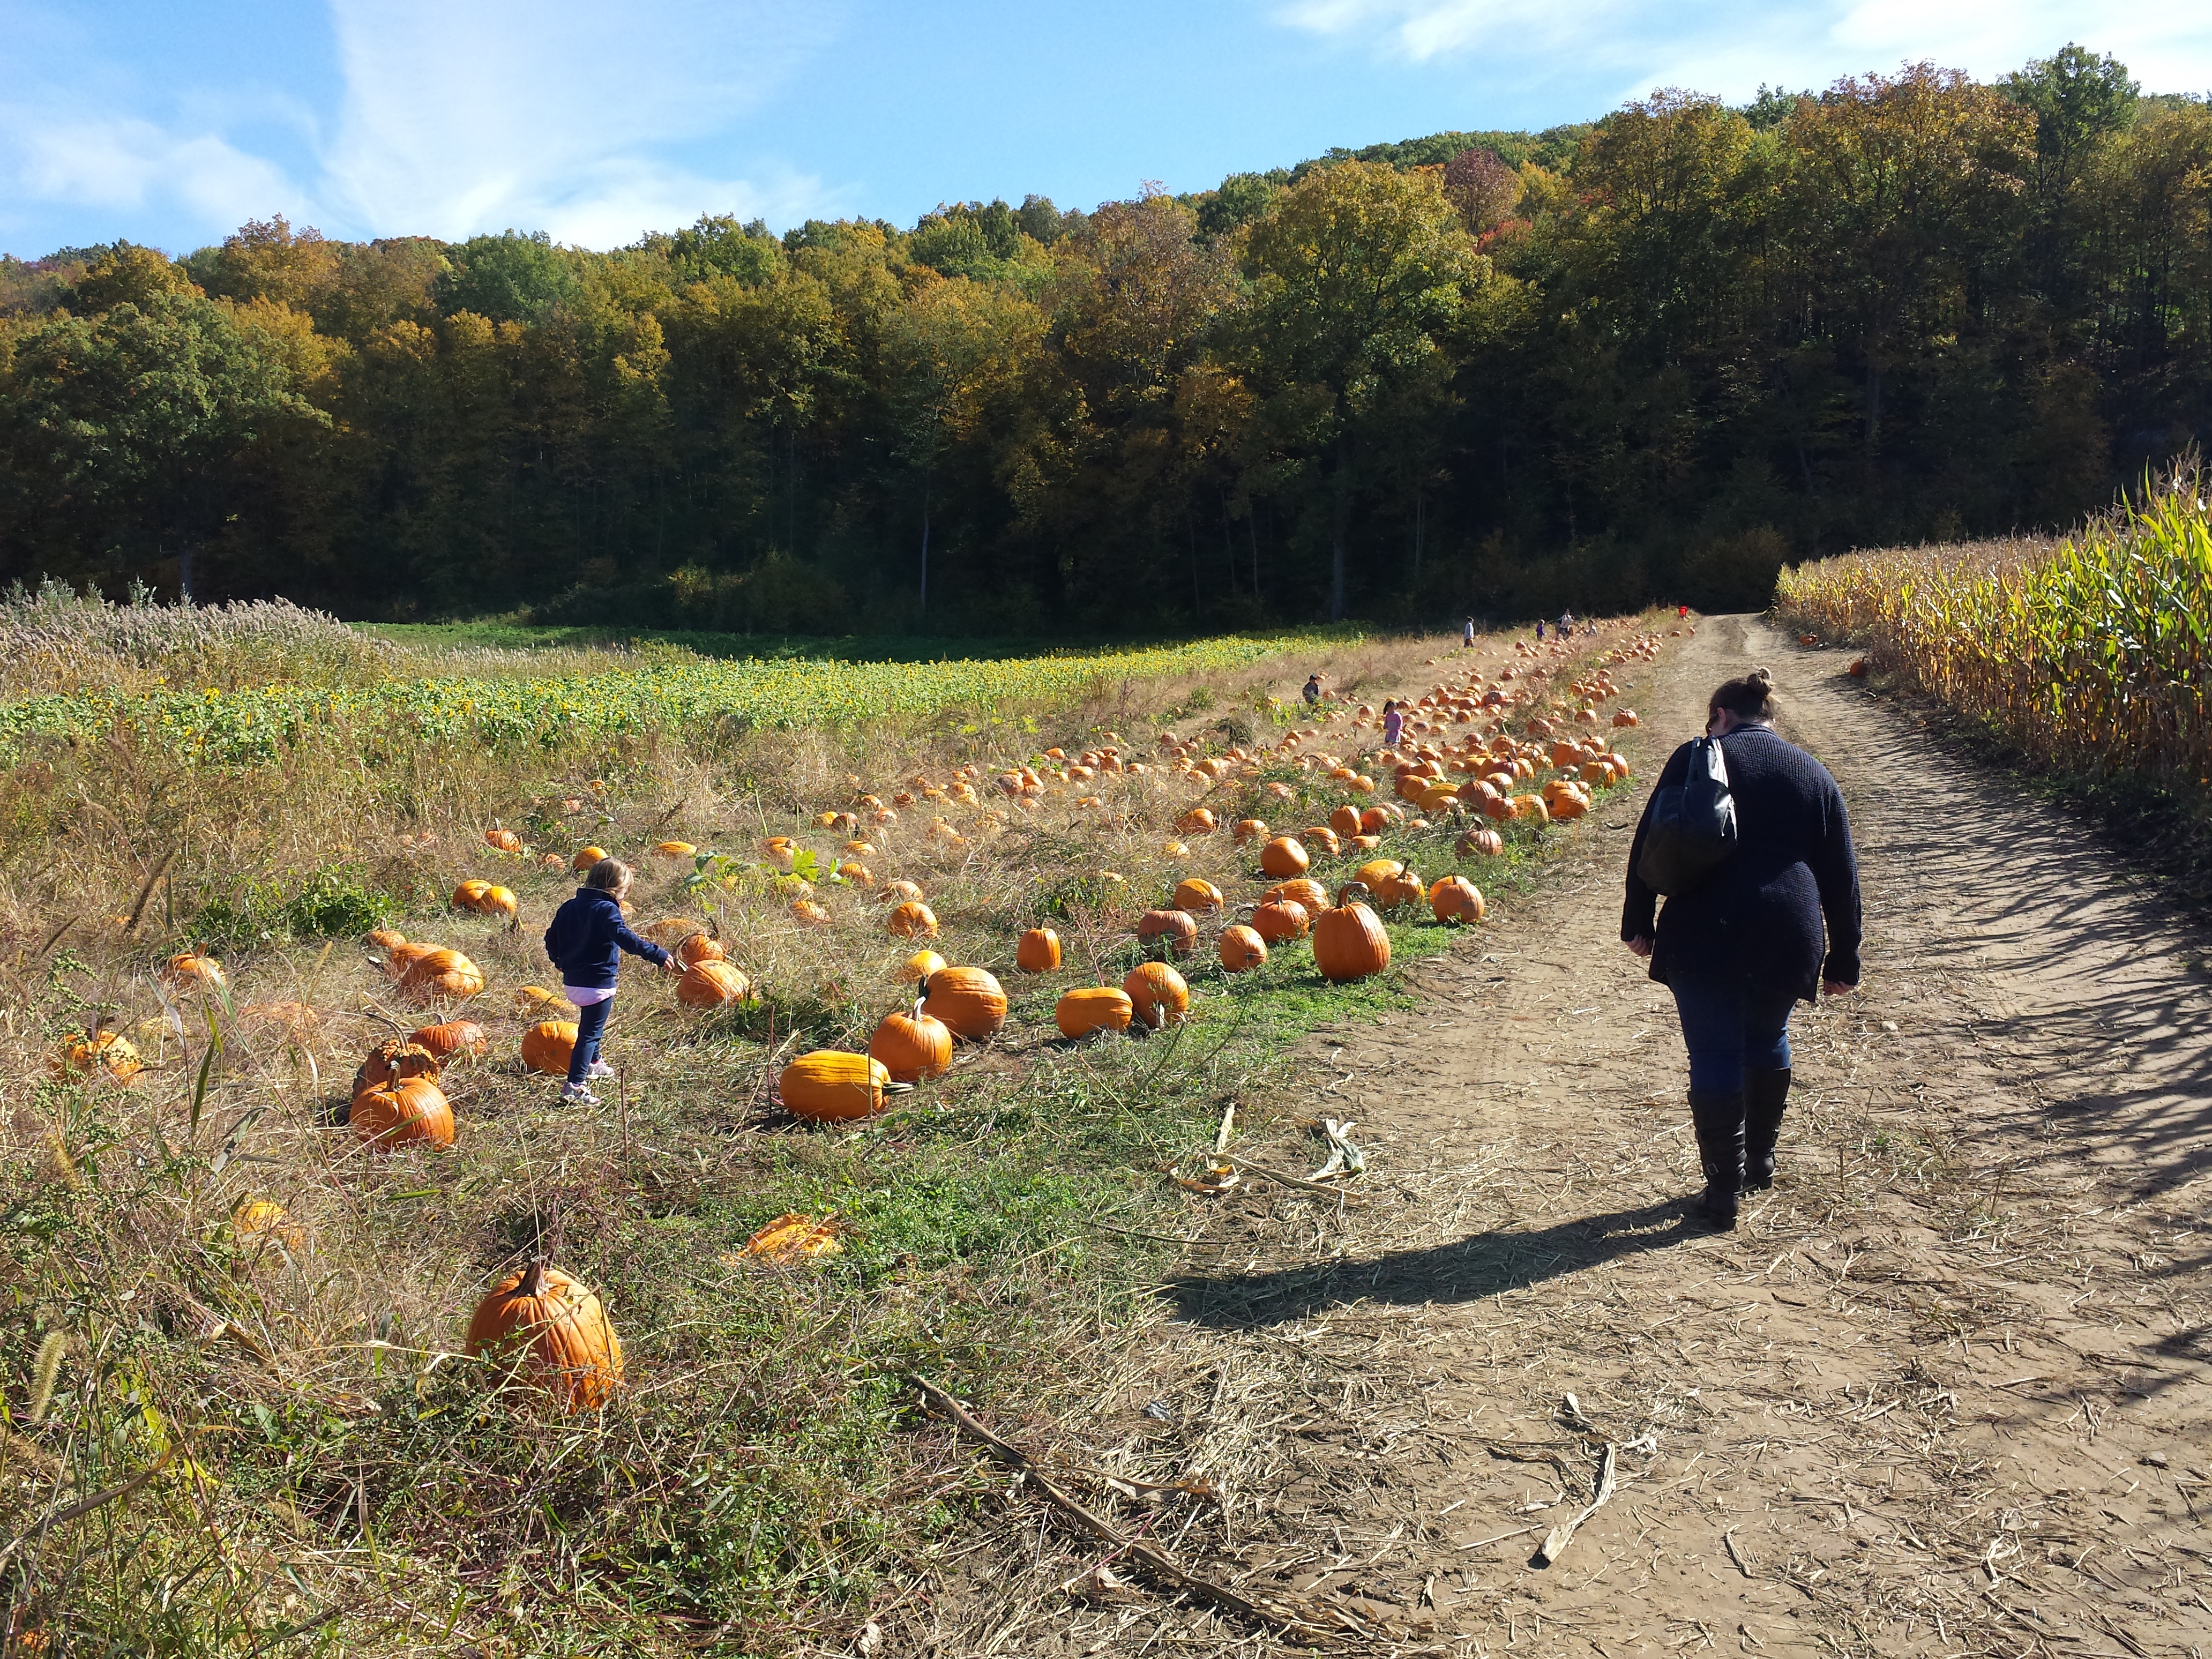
{"points": [[1740, 949], [586, 942]]}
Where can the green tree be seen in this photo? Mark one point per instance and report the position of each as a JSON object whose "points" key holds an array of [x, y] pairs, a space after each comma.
{"points": [[1359, 275], [509, 277]]}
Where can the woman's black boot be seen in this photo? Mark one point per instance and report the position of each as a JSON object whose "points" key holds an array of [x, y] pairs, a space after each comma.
{"points": [[1764, 1094], [1718, 1119]]}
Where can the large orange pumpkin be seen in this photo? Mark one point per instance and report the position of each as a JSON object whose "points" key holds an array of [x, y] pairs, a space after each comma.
{"points": [[412, 1112], [1157, 992], [1093, 1008], [463, 1038], [552, 1329], [1038, 951], [970, 1001], [693, 949], [911, 1045], [1283, 857], [549, 1045], [1349, 942], [1176, 930], [712, 985], [1487, 842], [1279, 921], [1455, 898], [830, 1086], [1376, 870], [1242, 948]]}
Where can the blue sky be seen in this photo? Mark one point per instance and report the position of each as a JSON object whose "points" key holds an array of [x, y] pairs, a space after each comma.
{"points": [[170, 123]]}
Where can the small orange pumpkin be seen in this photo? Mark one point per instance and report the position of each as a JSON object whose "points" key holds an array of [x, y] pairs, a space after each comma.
{"points": [[1455, 898], [919, 966], [1196, 893], [1279, 921], [392, 1060], [586, 857], [1176, 930], [711, 984], [830, 1086], [454, 1038], [1093, 1008], [970, 1000], [505, 840], [556, 1332], [1303, 891], [549, 1046], [914, 920], [1283, 857], [1350, 942], [1156, 992], [412, 1112], [1038, 951], [911, 1045], [1242, 948]]}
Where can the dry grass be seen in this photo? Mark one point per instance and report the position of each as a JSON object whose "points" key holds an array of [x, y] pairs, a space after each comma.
{"points": [[334, 1467]]}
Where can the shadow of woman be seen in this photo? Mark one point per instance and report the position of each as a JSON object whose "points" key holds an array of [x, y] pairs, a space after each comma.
{"points": [[1465, 1270]]}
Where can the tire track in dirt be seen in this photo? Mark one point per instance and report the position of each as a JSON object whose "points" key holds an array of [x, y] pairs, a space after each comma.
{"points": [[1943, 1391]]}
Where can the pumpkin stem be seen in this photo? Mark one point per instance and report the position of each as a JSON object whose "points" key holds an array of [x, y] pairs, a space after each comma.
{"points": [[532, 1282]]}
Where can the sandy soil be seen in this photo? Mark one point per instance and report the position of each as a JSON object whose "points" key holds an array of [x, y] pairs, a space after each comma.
{"points": [[1943, 1391]]}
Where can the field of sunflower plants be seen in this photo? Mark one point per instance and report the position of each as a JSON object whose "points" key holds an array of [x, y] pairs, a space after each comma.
{"points": [[2092, 655]]}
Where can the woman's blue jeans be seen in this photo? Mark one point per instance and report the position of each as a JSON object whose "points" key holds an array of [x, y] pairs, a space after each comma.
{"points": [[1731, 1027], [591, 1022]]}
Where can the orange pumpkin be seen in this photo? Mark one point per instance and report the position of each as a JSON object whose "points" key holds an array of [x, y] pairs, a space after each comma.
{"points": [[830, 1086], [1093, 1008], [412, 1112], [808, 911], [911, 1045], [505, 840], [1038, 951], [549, 1046], [1624, 717], [919, 966], [111, 1056], [1197, 894], [1324, 837], [711, 984], [392, 1060], [914, 920], [1248, 830], [970, 1001], [1156, 992], [440, 973], [1349, 942], [1375, 871], [469, 893], [1280, 921], [1198, 821], [192, 971], [1303, 891], [1242, 948], [1176, 930], [1455, 898], [386, 938], [462, 1038], [1283, 857], [695, 948], [899, 892], [552, 1329], [1345, 821], [1487, 842]]}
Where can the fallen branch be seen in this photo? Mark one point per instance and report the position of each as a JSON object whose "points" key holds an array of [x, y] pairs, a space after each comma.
{"points": [[1336, 1192], [1143, 1551]]}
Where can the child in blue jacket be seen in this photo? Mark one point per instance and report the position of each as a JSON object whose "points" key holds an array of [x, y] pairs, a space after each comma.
{"points": [[586, 942]]}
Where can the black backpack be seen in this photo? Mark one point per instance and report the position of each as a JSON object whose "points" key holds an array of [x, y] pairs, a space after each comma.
{"points": [[1690, 830]]}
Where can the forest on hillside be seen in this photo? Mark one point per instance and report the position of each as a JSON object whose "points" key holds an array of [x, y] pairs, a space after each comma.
{"points": [[1650, 357]]}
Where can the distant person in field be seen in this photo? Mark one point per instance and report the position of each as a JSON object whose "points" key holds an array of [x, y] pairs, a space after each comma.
{"points": [[1393, 723], [1743, 948], [1312, 692], [1682, 612], [1466, 635], [1566, 623], [586, 943], [1539, 631]]}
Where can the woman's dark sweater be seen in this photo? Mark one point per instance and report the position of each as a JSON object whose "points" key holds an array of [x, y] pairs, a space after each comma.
{"points": [[1757, 919]]}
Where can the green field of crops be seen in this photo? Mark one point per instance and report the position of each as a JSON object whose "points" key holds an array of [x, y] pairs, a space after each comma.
{"points": [[249, 725]]}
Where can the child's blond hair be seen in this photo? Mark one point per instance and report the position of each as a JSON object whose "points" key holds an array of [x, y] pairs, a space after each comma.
{"points": [[608, 876]]}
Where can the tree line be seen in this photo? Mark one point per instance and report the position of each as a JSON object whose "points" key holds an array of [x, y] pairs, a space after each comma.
{"points": [[1650, 357]]}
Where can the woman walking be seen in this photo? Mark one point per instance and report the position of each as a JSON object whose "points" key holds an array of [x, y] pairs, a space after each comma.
{"points": [[1743, 947], [586, 943]]}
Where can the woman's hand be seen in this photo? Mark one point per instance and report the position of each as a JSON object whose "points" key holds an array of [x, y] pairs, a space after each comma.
{"points": [[1830, 988], [670, 965], [1640, 945]]}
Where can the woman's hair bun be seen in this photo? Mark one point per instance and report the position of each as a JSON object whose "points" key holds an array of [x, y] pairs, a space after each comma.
{"points": [[1763, 675]]}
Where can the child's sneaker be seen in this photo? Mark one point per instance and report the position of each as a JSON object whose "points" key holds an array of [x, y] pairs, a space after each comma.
{"points": [[577, 1094], [599, 1069]]}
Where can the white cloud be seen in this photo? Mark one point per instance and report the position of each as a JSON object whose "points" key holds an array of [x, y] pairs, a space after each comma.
{"points": [[1730, 48], [468, 115], [125, 163]]}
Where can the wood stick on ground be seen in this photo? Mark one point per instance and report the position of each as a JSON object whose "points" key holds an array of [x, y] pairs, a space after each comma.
{"points": [[1337, 1193], [1143, 1551]]}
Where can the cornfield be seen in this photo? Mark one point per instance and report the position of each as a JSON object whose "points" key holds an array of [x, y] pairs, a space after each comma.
{"points": [[2093, 655]]}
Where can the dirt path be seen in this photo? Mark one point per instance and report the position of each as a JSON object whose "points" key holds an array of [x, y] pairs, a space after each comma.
{"points": [[1944, 1391]]}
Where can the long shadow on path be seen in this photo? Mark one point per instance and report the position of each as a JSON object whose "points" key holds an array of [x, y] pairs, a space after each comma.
{"points": [[1466, 1270]]}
